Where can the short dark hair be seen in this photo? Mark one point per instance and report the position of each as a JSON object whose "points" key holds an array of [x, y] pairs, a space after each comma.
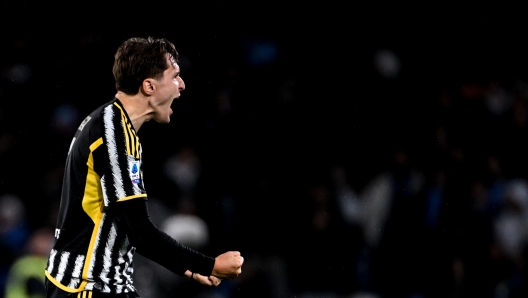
{"points": [[138, 58]]}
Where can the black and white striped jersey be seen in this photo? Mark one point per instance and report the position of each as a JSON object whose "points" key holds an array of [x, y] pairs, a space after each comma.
{"points": [[103, 167]]}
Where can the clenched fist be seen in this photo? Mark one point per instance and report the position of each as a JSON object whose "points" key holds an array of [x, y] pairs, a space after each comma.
{"points": [[228, 265]]}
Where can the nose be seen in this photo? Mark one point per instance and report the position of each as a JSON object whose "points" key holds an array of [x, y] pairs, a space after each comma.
{"points": [[182, 84]]}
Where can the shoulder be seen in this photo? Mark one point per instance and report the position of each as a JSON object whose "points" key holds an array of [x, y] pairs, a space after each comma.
{"points": [[94, 124]]}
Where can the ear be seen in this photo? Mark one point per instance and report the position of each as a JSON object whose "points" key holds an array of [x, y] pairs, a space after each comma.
{"points": [[148, 86]]}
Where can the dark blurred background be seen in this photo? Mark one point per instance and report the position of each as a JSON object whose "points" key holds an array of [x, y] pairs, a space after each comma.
{"points": [[346, 150]]}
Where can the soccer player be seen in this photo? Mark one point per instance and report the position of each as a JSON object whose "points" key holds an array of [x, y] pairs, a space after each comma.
{"points": [[103, 217]]}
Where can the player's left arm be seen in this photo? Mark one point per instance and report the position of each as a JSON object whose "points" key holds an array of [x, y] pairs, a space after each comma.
{"points": [[156, 245]]}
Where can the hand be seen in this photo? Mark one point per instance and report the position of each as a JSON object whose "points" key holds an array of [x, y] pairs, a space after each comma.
{"points": [[206, 280], [228, 265]]}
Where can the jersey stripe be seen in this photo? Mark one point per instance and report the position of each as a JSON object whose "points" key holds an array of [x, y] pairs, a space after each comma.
{"points": [[127, 133], [131, 149], [74, 283], [112, 151], [138, 148], [84, 294], [51, 261], [105, 197], [62, 265], [107, 257]]}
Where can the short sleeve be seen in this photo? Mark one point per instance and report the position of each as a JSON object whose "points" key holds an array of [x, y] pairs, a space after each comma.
{"points": [[123, 179]]}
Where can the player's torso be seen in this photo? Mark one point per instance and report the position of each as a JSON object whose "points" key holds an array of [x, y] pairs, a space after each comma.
{"points": [[89, 246]]}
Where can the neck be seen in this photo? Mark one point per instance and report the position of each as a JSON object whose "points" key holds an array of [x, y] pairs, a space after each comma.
{"points": [[136, 107]]}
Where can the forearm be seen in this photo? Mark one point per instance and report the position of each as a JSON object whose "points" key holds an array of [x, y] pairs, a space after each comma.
{"points": [[156, 245]]}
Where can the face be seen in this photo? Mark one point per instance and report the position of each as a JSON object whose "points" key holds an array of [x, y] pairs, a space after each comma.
{"points": [[167, 88]]}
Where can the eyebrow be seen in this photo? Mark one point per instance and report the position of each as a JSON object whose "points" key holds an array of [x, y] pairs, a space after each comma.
{"points": [[175, 64]]}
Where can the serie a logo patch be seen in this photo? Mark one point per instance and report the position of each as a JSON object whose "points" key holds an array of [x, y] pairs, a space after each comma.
{"points": [[135, 173]]}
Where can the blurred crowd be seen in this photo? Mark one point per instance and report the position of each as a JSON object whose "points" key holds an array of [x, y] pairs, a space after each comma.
{"points": [[318, 205]]}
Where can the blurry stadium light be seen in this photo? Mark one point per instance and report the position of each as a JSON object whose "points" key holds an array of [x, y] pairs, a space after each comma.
{"points": [[387, 63]]}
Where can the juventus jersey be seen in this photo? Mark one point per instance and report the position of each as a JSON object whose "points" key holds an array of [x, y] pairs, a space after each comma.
{"points": [[103, 168]]}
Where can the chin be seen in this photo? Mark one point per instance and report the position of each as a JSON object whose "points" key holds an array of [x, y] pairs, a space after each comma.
{"points": [[163, 120]]}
